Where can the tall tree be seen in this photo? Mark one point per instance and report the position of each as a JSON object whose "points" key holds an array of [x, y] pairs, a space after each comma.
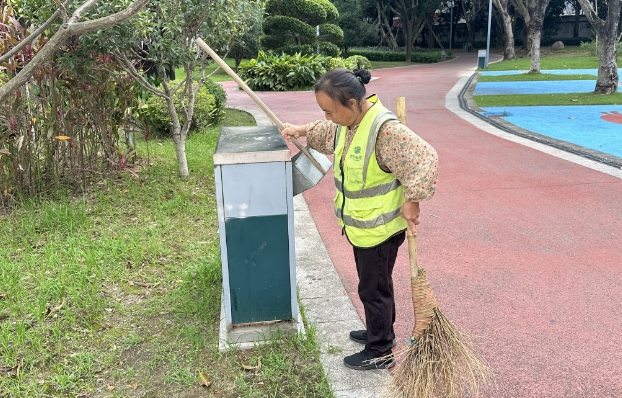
{"points": [[163, 37], [413, 15], [358, 29], [533, 12], [293, 23], [508, 34], [471, 10], [607, 30], [73, 24]]}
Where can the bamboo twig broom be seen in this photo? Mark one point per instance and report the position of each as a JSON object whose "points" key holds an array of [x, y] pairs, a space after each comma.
{"points": [[440, 360]]}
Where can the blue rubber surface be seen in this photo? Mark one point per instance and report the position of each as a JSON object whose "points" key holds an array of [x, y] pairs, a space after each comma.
{"points": [[535, 87], [581, 125], [548, 71]]}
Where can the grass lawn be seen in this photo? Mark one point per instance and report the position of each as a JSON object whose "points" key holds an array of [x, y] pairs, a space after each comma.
{"points": [[548, 99], [116, 293], [571, 57], [219, 76], [533, 77]]}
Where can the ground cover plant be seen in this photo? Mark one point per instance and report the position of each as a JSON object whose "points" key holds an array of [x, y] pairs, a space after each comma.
{"points": [[116, 292]]}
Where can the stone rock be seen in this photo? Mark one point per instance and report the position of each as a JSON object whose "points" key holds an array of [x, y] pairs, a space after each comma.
{"points": [[557, 46]]}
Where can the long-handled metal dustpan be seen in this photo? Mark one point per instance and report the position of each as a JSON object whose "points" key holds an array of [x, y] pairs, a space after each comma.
{"points": [[307, 170]]}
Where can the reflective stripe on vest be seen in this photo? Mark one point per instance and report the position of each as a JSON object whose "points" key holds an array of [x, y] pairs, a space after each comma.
{"points": [[371, 198]]}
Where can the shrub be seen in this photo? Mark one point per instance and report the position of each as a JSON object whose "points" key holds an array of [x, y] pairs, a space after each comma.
{"points": [[304, 49], [425, 57], [282, 30], [282, 73], [331, 33], [357, 62], [209, 109], [333, 62], [328, 49], [220, 101], [313, 12]]}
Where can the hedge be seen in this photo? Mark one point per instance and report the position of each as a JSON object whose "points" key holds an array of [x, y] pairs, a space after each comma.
{"points": [[313, 12], [426, 57]]}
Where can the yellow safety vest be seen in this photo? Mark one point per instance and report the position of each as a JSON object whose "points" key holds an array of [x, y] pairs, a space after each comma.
{"points": [[368, 199]]}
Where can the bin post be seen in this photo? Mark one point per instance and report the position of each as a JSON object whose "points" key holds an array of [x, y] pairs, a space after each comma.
{"points": [[481, 59]]}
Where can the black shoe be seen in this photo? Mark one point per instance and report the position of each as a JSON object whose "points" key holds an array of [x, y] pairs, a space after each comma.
{"points": [[366, 361], [360, 336]]}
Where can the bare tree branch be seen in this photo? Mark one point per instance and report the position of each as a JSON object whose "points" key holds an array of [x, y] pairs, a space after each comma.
{"points": [[129, 68], [62, 9], [34, 34], [71, 28]]}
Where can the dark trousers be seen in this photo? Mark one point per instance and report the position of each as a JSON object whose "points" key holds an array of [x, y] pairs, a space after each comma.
{"points": [[375, 266]]}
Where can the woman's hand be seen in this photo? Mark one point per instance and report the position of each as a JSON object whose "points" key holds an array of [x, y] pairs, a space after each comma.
{"points": [[410, 212], [293, 130]]}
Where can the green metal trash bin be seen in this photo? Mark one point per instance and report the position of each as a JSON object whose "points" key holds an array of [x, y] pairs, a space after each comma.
{"points": [[254, 194], [481, 59]]}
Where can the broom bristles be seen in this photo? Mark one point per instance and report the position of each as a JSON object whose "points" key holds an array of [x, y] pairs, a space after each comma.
{"points": [[441, 361]]}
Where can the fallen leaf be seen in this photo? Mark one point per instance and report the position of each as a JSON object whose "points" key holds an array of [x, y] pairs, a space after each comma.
{"points": [[110, 388], [246, 367], [204, 380], [55, 309], [133, 386], [62, 137], [2, 296], [5, 151]]}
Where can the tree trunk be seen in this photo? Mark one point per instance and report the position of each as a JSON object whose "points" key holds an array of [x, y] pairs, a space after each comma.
{"points": [[535, 35], [408, 42], [607, 82], [577, 14], [508, 53], [178, 134], [508, 34], [608, 78]]}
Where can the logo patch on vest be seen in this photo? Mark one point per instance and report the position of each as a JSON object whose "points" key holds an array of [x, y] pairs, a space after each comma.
{"points": [[356, 156]]}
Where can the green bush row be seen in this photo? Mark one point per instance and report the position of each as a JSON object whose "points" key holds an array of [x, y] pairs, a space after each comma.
{"points": [[325, 48], [270, 72], [427, 57], [209, 109]]}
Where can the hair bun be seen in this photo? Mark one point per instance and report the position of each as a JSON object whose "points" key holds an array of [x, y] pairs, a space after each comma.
{"points": [[363, 75]]}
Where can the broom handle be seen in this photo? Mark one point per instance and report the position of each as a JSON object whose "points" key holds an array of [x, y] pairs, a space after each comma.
{"points": [[255, 98], [412, 254], [412, 239]]}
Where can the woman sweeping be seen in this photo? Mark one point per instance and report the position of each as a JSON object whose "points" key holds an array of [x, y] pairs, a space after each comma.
{"points": [[382, 171]]}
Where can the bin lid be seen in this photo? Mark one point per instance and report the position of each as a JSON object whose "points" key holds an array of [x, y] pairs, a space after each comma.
{"points": [[250, 144]]}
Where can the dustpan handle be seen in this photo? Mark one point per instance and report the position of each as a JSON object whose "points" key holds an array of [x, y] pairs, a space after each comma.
{"points": [[255, 98]]}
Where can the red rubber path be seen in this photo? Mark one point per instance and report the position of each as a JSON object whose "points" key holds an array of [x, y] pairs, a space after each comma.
{"points": [[522, 249]]}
